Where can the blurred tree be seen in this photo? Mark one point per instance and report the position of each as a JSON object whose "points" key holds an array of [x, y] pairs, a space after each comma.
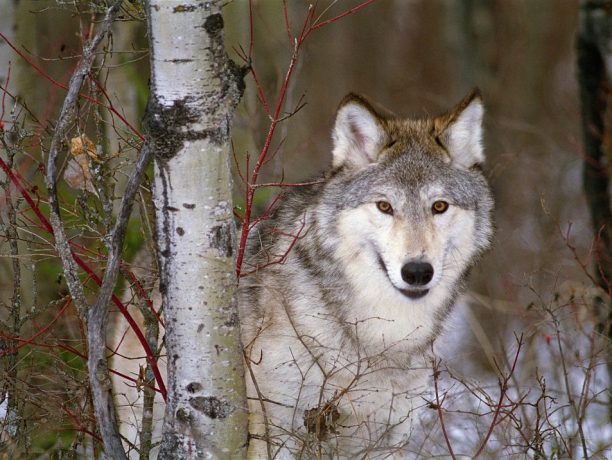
{"points": [[594, 52]]}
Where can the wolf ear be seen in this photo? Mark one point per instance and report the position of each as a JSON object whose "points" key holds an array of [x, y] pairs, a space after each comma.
{"points": [[358, 133], [460, 131]]}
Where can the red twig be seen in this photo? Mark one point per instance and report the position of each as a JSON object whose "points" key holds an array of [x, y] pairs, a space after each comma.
{"points": [[268, 211], [572, 248], [77, 425], [287, 22], [280, 259], [436, 375], [114, 111], [142, 293], [80, 262], [41, 331], [502, 396], [141, 338], [31, 63], [56, 83], [308, 27], [84, 266], [341, 15], [250, 193], [24, 193]]}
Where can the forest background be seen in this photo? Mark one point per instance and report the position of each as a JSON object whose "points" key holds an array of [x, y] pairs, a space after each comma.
{"points": [[541, 280]]}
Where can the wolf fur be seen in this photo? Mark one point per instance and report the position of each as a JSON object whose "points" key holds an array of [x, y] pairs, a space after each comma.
{"points": [[352, 279]]}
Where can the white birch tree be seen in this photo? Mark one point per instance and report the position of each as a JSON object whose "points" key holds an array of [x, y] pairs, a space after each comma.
{"points": [[194, 90]]}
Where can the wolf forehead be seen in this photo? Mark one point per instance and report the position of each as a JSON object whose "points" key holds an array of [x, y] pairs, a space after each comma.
{"points": [[406, 135], [411, 176]]}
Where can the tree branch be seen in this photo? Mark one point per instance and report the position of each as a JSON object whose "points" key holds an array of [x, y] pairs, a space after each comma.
{"points": [[98, 315], [96, 318]]}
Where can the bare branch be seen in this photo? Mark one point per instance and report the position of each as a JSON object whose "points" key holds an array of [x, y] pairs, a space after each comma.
{"points": [[436, 377], [99, 375]]}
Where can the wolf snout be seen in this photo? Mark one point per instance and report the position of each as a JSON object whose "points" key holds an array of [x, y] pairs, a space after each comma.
{"points": [[417, 273]]}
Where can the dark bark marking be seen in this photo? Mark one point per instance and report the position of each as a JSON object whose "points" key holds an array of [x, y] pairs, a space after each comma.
{"points": [[233, 321], [213, 24], [183, 416], [230, 74], [164, 237], [163, 126], [221, 238], [238, 72], [211, 406], [194, 387], [167, 127]]}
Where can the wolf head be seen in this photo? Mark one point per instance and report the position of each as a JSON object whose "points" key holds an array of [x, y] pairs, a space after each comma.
{"points": [[411, 210]]}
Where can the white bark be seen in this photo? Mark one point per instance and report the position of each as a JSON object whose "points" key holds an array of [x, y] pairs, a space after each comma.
{"points": [[194, 91]]}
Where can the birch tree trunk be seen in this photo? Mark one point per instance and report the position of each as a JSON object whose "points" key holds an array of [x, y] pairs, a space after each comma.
{"points": [[194, 91]]}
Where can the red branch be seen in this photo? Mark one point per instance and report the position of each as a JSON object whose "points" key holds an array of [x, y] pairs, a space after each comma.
{"points": [[93, 100], [85, 267], [340, 16], [502, 396], [77, 425], [436, 375], [46, 226], [41, 331], [309, 25]]}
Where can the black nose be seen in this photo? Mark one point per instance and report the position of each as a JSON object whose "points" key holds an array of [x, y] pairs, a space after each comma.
{"points": [[417, 273]]}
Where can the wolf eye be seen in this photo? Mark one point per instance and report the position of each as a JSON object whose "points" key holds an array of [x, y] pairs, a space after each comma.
{"points": [[439, 207], [384, 207]]}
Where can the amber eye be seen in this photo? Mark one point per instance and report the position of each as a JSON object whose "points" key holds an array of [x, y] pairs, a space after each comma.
{"points": [[385, 207], [439, 207]]}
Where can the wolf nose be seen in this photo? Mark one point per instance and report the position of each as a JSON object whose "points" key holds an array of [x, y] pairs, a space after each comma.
{"points": [[417, 273]]}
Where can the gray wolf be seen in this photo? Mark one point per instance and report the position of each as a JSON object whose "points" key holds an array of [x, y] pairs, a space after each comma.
{"points": [[352, 280]]}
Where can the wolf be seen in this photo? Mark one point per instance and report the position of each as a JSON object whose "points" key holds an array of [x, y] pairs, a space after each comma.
{"points": [[352, 277]]}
